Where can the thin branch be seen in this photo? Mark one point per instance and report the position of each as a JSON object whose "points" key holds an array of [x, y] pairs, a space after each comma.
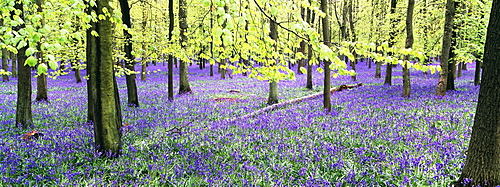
{"points": [[277, 23]]}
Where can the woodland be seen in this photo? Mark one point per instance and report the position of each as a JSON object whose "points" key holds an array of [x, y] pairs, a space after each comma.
{"points": [[249, 93]]}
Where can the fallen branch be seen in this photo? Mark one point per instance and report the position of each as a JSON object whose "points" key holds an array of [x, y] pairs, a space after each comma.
{"points": [[282, 104]]}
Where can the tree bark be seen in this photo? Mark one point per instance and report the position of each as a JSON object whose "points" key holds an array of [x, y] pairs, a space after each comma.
{"points": [[106, 128], [132, 96], [482, 164], [5, 66], [353, 37], [170, 57], [445, 52], [327, 105], [377, 70], [392, 41], [183, 66], [477, 72], [273, 93], [24, 90], [302, 48], [408, 45], [211, 41], [452, 68], [76, 69], [41, 86], [144, 64], [460, 68], [273, 85], [91, 61], [309, 83], [13, 58]]}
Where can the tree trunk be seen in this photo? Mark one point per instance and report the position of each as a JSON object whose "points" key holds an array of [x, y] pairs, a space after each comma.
{"points": [[477, 72], [78, 76], [452, 68], [309, 82], [132, 96], [183, 66], [273, 85], [41, 87], [13, 58], [482, 164], [302, 48], [91, 61], [106, 128], [327, 105], [170, 57], [377, 70], [23, 105], [353, 38], [392, 38], [408, 45], [5, 67], [144, 69], [445, 52], [273, 93], [144, 64], [211, 43], [460, 68]]}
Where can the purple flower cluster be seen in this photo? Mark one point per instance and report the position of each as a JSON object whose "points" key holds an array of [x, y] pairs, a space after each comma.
{"points": [[372, 136]]}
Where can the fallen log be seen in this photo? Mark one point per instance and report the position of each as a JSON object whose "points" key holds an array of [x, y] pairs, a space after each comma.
{"points": [[282, 104]]}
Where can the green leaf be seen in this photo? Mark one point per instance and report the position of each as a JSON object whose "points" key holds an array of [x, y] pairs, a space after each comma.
{"points": [[53, 65], [21, 44], [320, 69], [42, 68], [30, 51], [303, 70], [31, 61]]}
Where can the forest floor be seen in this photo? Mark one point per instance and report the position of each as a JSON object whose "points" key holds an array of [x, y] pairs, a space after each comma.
{"points": [[372, 136]]}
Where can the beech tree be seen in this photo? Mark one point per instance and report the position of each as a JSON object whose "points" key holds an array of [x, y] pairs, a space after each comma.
{"points": [[408, 45], [170, 57], [184, 86], [327, 105], [5, 67], [41, 80], [392, 38], [24, 90], [273, 84], [482, 165], [107, 116], [132, 95], [448, 29]]}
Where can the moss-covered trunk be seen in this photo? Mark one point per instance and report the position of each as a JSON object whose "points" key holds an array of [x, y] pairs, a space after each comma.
{"points": [[445, 51], [23, 105], [183, 65], [106, 128]]}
